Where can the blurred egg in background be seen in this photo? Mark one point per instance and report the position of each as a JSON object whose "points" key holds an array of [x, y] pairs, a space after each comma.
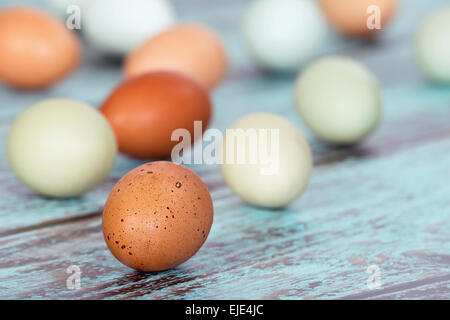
{"points": [[281, 35], [192, 49], [339, 99], [433, 46], [350, 17], [115, 27], [36, 49]]}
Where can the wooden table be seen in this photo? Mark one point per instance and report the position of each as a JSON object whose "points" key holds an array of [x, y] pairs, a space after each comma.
{"points": [[384, 204]]}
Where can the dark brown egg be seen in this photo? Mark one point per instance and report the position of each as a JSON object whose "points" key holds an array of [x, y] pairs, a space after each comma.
{"points": [[144, 112], [157, 216]]}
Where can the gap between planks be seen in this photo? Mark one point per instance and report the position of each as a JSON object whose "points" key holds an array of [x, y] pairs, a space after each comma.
{"points": [[51, 223]]}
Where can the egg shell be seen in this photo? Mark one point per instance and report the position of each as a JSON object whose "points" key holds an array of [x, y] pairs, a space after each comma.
{"points": [[433, 46], [349, 17], [157, 216], [283, 34], [191, 49], [115, 27], [145, 110], [61, 148], [249, 181], [339, 99], [36, 50]]}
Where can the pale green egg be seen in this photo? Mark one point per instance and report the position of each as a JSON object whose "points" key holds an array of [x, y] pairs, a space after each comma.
{"points": [[339, 100], [61, 148], [433, 46]]}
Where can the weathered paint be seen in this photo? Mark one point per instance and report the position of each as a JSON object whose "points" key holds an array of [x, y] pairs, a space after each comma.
{"points": [[384, 203]]}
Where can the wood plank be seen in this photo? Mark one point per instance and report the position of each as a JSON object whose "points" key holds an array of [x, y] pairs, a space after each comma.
{"points": [[384, 202], [318, 248]]}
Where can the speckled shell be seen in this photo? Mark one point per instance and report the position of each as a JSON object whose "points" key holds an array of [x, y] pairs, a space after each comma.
{"points": [[157, 216]]}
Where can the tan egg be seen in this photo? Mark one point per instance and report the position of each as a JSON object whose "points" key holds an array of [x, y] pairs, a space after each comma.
{"points": [[191, 49], [36, 50], [350, 17], [157, 216]]}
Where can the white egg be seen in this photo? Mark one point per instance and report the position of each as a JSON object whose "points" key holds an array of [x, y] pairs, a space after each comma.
{"points": [[339, 100], [266, 160], [116, 27], [433, 46], [283, 34], [60, 7], [61, 148]]}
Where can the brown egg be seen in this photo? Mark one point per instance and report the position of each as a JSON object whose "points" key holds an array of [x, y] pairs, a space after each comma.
{"points": [[36, 50], [145, 110], [191, 49], [157, 216], [349, 17]]}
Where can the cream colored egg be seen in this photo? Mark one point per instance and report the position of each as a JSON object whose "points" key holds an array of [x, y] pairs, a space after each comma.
{"points": [[115, 27], [433, 46], [61, 148], [266, 160], [283, 34], [339, 100]]}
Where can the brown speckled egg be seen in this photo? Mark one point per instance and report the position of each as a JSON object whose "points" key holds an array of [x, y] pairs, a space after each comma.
{"points": [[157, 216]]}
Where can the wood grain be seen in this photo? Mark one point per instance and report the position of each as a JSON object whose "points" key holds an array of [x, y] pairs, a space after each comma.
{"points": [[384, 203], [318, 248]]}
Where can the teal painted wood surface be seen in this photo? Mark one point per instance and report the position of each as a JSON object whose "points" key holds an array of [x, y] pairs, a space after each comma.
{"points": [[384, 203]]}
